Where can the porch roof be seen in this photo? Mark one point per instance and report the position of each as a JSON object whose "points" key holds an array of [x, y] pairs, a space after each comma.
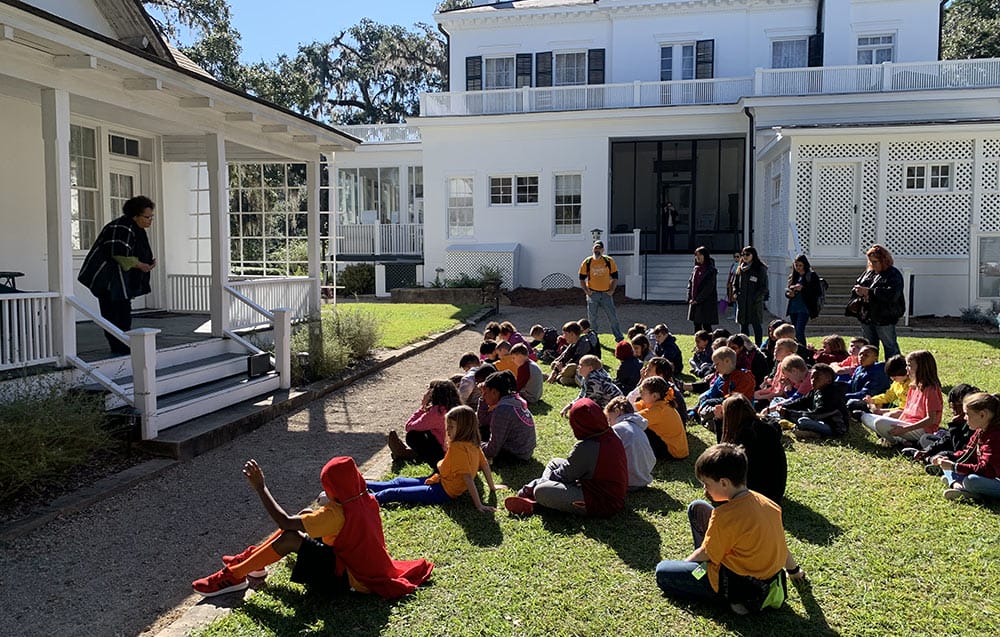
{"points": [[114, 82]]}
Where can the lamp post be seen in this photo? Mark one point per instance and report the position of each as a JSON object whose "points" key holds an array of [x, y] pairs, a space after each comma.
{"points": [[596, 234]]}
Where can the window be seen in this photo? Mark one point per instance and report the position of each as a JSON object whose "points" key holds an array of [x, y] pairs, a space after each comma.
{"points": [[501, 191], [928, 177], [504, 193], [121, 145], [876, 49], [776, 189], [83, 186], [527, 189], [568, 204], [415, 201], [571, 69], [460, 207], [369, 195], [499, 73], [789, 54], [676, 62]]}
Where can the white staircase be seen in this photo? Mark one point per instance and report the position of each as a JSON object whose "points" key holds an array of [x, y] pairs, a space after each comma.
{"points": [[667, 276]]}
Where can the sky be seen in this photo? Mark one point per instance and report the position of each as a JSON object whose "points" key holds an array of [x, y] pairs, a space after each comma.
{"points": [[268, 28]]}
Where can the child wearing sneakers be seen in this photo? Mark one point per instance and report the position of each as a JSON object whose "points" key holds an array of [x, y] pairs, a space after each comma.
{"points": [[954, 438], [739, 541], [425, 430], [545, 341], [823, 411], [339, 547], [596, 384]]}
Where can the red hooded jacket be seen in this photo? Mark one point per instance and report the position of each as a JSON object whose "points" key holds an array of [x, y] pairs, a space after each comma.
{"points": [[603, 492]]}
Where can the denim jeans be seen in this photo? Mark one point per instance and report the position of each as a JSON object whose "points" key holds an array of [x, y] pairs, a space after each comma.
{"points": [[811, 424], [603, 300], [799, 320], [674, 577], [886, 334], [412, 490], [976, 484]]}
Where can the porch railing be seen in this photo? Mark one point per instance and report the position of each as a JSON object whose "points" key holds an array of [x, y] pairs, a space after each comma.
{"points": [[380, 238], [26, 329], [384, 133], [189, 292], [280, 320], [248, 297], [627, 244]]}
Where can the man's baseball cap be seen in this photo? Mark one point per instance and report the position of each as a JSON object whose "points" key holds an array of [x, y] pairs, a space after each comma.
{"points": [[599, 244]]}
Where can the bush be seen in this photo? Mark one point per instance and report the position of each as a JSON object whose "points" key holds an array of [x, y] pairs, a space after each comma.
{"points": [[977, 316], [46, 432], [358, 278], [339, 338]]}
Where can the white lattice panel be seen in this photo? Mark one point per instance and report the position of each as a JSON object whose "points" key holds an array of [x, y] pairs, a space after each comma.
{"points": [[931, 150], [460, 262], [803, 202], [989, 213], [894, 178], [963, 176], [833, 226], [932, 224], [869, 204], [838, 151], [990, 176], [991, 148]]}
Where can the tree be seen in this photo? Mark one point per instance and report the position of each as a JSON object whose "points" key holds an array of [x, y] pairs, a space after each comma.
{"points": [[216, 47], [454, 4], [971, 29]]}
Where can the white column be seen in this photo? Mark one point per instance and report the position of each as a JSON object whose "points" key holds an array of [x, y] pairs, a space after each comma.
{"points": [[55, 141], [283, 345], [313, 232], [380, 290], [218, 205], [142, 342]]}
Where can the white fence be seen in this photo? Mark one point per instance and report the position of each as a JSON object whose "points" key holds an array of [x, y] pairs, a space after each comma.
{"points": [[290, 292], [26, 329], [866, 78], [384, 133], [380, 238], [189, 292]]}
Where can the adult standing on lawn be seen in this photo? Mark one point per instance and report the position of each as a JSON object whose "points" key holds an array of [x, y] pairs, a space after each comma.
{"points": [[599, 278], [703, 298], [751, 292], [880, 288], [117, 267]]}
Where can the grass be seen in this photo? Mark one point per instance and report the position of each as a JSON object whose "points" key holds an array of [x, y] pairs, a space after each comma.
{"points": [[405, 323], [884, 552]]}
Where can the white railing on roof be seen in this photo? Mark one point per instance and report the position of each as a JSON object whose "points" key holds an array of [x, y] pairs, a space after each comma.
{"points": [[380, 238], [189, 292], [291, 292], [26, 329], [384, 133], [865, 78]]}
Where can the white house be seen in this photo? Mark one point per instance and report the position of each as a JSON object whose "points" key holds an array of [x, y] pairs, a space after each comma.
{"points": [[96, 108], [794, 125]]}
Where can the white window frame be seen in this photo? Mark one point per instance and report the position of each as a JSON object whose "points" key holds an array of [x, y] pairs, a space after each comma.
{"points": [[776, 189], [506, 191], [564, 229], [682, 61], [457, 207], [580, 73], [527, 199], [928, 176], [86, 192], [865, 45], [803, 41], [491, 74]]}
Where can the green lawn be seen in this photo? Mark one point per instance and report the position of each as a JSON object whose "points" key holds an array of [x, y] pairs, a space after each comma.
{"points": [[405, 323], [884, 552]]}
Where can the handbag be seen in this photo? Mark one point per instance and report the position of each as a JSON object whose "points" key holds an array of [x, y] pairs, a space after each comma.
{"points": [[855, 307]]}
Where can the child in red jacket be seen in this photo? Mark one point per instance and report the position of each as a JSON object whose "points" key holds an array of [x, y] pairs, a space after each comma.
{"points": [[975, 471]]}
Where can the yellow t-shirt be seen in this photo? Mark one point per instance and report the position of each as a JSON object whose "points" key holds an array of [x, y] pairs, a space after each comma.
{"points": [[326, 524], [506, 363], [747, 536], [665, 422], [601, 269], [461, 459]]}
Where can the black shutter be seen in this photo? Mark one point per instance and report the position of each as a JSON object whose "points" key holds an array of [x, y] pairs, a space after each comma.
{"points": [[816, 50], [474, 73], [523, 66], [543, 69], [595, 66], [704, 59]]}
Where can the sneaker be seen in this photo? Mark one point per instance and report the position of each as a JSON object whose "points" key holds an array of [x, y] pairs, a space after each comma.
{"points": [[519, 506], [856, 414], [805, 434], [888, 444], [956, 494], [910, 452], [933, 470], [219, 583], [526, 492], [786, 425], [229, 560], [398, 448]]}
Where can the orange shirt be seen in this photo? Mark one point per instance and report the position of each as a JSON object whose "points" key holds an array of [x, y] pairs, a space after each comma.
{"points": [[326, 523], [747, 536], [506, 363], [666, 423], [462, 459]]}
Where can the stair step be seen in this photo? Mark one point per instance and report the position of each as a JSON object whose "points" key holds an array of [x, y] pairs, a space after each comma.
{"points": [[177, 407]]}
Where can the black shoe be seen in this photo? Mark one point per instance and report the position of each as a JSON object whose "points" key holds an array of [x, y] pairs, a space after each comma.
{"points": [[856, 414], [933, 470]]}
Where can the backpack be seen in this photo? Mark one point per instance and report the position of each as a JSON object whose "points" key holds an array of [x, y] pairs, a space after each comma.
{"points": [[821, 299], [607, 262]]}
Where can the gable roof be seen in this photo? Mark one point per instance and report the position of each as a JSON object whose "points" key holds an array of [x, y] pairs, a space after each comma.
{"points": [[134, 26]]}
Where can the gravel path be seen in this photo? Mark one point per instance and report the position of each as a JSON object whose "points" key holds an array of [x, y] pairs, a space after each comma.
{"points": [[117, 567]]}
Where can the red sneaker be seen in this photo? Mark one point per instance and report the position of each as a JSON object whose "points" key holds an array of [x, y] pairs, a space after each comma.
{"points": [[219, 583], [230, 560], [519, 506]]}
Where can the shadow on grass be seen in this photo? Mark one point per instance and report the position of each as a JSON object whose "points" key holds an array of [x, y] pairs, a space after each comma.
{"points": [[807, 525], [481, 529], [516, 473]]}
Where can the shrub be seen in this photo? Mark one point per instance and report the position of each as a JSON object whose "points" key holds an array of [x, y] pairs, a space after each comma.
{"points": [[339, 338], [358, 278], [46, 433], [977, 316]]}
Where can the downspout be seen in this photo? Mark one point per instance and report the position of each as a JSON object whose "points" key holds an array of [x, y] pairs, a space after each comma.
{"points": [[941, 12], [751, 168], [447, 57], [819, 17]]}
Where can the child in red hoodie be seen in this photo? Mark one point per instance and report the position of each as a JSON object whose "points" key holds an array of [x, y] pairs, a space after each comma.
{"points": [[975, 471]]}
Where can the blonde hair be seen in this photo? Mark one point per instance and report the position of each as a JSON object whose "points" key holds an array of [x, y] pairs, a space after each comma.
{"points": [[591, 361], [465, 424], [980, 402], [793, 362], [786, 345]]}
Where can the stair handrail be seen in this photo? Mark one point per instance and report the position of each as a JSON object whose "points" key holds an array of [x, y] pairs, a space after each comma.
{"points": [[91, 370], [281, 322], [98, 320]]}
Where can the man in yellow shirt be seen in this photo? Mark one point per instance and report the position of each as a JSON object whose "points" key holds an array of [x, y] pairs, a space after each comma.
{"points": [[599, 278]]}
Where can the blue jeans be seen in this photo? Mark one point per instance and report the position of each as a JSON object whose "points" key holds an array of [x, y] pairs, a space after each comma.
{"points": [[799, 320], [886, 334], [412, 490], [674, 577], [976, 484], [603, 300], [810, 424]]}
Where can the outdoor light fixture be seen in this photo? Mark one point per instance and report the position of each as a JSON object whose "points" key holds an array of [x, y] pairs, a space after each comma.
{"points": [[596, 234]]}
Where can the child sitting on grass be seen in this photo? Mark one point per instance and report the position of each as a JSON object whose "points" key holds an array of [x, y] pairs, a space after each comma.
{"points": [[869, 377], [631, 429], [659, 366], [564, 366], [795, 381], [665, 432], [530, 378], [774, 385], [629, 367], [832, 350], [728, 380], [666, 346], [455, 474], [642, 347], [895, 396], [820, 413], [545, 342], [944, 441], [924, 404], [425, 430], [596, 384], [468, 392], [739, 543], [340, 546], [592, 481], [975, 471], [701, 356], [845, 367]]}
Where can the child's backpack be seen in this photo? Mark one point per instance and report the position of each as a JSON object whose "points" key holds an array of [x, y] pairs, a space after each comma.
{"points": [[754, 594], [821, 299]]}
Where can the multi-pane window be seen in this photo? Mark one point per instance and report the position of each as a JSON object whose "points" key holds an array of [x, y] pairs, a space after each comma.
{"points": [[789, 54], [83, 186], [499, 72], [940, 177], [568, 204], [916, 177], [876, 49], [121, 145], [415, 195], [527, 189], [460, 207], [520, 189], [199, 219], [924, 177], [676, 62], [268, 220], [369, 195], [501, 191], [571, 69]]}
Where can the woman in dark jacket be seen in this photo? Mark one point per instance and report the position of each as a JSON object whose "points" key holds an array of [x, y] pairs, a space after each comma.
{"points": [[880, 289], [703, 298], [767, 467], [803, 294], [751, 292]]}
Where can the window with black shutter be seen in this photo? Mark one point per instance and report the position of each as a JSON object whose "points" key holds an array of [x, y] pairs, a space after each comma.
{"points": [[595, 66], [543, 69], [474, 73], [523, 65], [704, 53], [816, 50]]}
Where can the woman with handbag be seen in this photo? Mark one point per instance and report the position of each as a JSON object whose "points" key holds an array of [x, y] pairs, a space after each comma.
{"points": [[803, 294], [877, 300], [751, 292]]}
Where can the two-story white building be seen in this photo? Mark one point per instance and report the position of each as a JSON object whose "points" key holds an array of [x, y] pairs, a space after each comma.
{"points": [[794, 125]]}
